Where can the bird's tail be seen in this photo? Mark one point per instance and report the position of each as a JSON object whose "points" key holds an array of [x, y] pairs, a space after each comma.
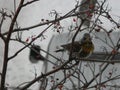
{"points": [[60, 50]]}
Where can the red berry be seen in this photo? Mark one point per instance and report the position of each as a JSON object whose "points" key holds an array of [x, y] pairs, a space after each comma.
{"points": [[74, 20], [114, 51], [97, 30], [91, 6], [27, 40]]}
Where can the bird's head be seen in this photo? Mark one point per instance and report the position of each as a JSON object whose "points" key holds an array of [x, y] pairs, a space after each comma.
{"points": [[86, 38]]}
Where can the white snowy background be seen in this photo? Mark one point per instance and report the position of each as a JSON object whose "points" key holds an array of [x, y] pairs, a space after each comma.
{"points": [[20, 69]]}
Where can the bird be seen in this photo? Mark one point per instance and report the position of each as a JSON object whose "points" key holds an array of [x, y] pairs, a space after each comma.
{"points": [[35, 54], [80, 49]]}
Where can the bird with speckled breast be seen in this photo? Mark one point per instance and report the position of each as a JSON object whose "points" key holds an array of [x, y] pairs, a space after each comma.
{"points": [[80, 49]]}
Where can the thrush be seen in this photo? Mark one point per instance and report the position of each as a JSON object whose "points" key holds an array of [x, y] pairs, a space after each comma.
{"points": [[80, 49]]}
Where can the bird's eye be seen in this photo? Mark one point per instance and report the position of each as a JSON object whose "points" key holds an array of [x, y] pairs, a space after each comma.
{"points": [[85, 38]]}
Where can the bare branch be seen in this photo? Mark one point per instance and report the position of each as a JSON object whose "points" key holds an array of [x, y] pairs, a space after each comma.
{"points": [[29, 2]]}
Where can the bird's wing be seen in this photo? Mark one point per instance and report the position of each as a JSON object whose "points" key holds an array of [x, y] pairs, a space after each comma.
{"points": [[75, 47]]}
